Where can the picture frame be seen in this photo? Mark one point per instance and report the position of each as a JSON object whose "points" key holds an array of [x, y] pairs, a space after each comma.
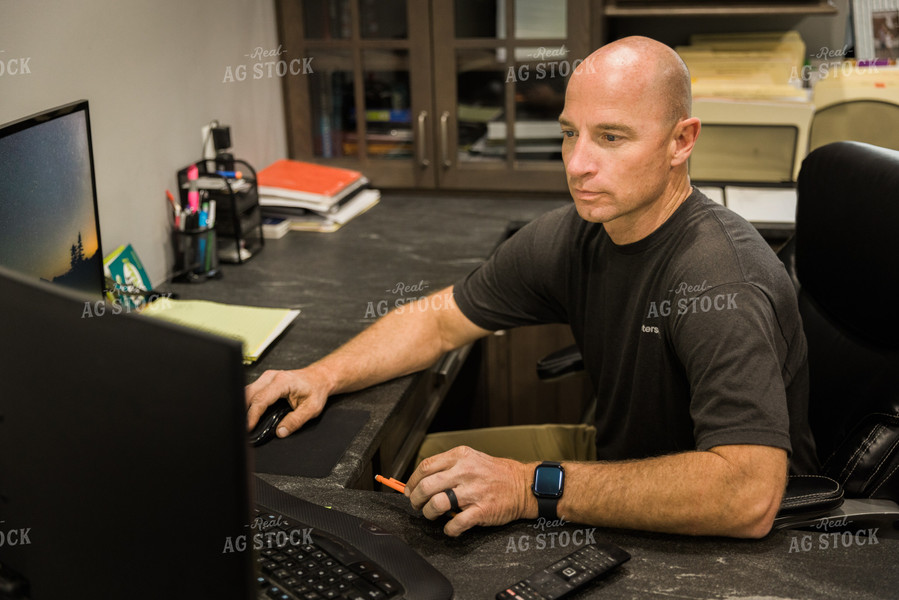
{"points": [[876, 29]]}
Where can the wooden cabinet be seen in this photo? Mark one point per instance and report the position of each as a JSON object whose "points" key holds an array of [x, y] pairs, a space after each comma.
{"points": [[441, 94], [465, 94], [516, 395]]}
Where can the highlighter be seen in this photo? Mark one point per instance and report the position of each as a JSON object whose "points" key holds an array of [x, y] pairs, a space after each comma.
{"points": [[193, 194]]}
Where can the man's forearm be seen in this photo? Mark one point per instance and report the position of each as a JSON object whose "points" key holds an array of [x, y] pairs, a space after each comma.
{"points": [[404, 341], [729, 490]]}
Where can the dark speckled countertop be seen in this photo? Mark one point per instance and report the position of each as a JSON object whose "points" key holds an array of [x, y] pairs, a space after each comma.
{"points": [[341, 280], [409, 239]]}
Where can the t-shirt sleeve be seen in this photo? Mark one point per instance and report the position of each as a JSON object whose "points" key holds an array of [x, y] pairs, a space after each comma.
{"points": [[524, 281], [732, 349]]}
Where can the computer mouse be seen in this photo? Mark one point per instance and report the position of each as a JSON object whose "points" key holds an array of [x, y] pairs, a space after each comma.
{"points": [[268, 423]]}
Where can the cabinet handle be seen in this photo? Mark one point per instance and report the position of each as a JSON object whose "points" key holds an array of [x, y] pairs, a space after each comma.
{"points": [[444, 139], [423, 160]]}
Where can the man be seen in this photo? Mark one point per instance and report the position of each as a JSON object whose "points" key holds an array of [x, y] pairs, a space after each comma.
{"points": [[687, 322]]}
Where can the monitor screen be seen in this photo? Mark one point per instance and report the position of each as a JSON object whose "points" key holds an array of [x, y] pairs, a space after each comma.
{"points": [[49, 227]]}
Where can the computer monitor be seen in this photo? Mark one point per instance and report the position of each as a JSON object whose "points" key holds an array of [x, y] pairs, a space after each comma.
{"points": [[124, 466], [49, 225]]}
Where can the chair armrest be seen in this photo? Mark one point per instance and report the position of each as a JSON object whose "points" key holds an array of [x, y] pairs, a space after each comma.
{"points": [[560, 363], [806, 497]]}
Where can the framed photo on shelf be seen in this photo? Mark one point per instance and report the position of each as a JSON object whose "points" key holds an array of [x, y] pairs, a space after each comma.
{"points": [[876, 28]]}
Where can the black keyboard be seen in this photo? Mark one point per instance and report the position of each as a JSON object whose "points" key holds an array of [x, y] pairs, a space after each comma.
{"points": [[296, 561], [307, 552]]}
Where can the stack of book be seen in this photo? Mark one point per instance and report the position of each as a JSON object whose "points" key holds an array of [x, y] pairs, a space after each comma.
{"points": [[388, 134], [313, 197]]}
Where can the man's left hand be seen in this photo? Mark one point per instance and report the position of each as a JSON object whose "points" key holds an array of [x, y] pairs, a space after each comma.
{"points": [[489, 490]]}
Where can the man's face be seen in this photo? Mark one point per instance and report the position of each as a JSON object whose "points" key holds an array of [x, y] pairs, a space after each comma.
{"points": [[616, 146]]}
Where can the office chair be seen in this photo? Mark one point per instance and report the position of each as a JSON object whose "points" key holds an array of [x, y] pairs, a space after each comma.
{"points": [[844, 261], [870, 121]]}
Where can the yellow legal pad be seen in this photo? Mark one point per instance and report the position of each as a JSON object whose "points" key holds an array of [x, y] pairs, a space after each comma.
{"points": [[255, 327]]}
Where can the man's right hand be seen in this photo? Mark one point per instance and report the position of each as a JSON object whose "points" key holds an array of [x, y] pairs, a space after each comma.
{"points": [[406, 340], [305, 390]]}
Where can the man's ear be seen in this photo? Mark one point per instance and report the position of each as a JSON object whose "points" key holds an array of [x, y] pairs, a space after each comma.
{"points": [[683, 139]]}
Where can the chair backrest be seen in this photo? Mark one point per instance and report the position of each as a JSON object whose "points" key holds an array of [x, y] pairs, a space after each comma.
{"points": [[844, 260], [871, 121]]}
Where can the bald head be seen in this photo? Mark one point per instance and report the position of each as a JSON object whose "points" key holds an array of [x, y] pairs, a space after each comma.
{"points": [[660, 71]]}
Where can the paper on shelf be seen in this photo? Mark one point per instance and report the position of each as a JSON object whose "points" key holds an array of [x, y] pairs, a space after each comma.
{"points": [[762, 204]]}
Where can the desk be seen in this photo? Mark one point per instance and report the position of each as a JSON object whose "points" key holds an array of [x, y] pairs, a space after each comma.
{"points": [[340, 282], [333, 277], [482, 561]]}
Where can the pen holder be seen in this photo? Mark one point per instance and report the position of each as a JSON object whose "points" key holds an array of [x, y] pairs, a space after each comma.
{"points": [[196, 258]]}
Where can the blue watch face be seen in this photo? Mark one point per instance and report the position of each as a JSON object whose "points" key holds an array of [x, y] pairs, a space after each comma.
{"points": [[548, 481]]}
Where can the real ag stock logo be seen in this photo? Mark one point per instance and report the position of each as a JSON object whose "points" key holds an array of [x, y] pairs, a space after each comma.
{"points": [[266, 69], [15, 536], [13, 65]]}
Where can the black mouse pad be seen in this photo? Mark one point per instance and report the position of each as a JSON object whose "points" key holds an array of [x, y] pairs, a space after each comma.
{"points": [[315, 449]]}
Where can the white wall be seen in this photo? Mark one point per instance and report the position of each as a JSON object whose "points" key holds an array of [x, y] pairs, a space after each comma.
{"points": [[153, 72]]}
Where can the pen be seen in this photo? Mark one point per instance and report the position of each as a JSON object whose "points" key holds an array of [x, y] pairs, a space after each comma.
{"points": [[231, 174], [400, 487], [175, 207], [391, 483]]}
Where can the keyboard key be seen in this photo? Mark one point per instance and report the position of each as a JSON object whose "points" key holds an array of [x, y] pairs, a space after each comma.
{"points": [[277, 593], [269, 567], [373, 576], [363, 567], [370, 591]]}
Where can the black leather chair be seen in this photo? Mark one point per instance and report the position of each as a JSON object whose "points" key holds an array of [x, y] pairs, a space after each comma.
{"points": [[844, 262]]}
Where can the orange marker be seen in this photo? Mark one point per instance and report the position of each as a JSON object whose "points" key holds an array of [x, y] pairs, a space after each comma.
{"points": [[399, 486], [391, 483]]}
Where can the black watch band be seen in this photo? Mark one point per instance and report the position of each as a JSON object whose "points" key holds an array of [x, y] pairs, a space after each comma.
{"points": [[547, 508], [549, 480]]}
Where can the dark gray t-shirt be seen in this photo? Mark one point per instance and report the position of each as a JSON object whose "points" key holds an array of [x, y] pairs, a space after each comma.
{"points": [[691, 336]]}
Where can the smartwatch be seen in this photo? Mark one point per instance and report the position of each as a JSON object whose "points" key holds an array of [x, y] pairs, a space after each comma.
{"points": [[549, 482]]}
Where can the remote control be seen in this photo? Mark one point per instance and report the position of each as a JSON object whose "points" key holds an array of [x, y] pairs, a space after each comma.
{"points": [[567, 575]]}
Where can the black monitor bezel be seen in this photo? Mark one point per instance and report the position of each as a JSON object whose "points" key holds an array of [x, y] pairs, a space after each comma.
{"points": [[109, 455], [51, 114]]}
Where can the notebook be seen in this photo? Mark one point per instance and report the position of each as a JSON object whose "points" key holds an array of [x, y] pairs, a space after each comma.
{"points": [[255, 327]]}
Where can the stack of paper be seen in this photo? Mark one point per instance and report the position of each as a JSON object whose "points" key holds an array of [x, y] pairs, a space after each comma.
{"points": [[296, 184], [313, 197], [746, 65], [255, 327], [330, 221]]}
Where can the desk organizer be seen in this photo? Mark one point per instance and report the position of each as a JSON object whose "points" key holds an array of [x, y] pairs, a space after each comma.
{"points": [[238, 218]]}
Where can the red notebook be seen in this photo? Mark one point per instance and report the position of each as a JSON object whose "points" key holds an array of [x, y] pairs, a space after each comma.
{"points": [[308, 181]]}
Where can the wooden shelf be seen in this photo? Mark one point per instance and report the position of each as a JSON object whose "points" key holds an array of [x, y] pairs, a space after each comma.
{"points": [[716, 8]]}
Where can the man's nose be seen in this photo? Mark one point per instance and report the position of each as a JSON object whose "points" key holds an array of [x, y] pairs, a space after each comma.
{"points": [[580, 161]]}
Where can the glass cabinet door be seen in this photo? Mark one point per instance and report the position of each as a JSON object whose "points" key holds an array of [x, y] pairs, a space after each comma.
{"points": [[458, 94], [365, 104], [501, 68]]}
